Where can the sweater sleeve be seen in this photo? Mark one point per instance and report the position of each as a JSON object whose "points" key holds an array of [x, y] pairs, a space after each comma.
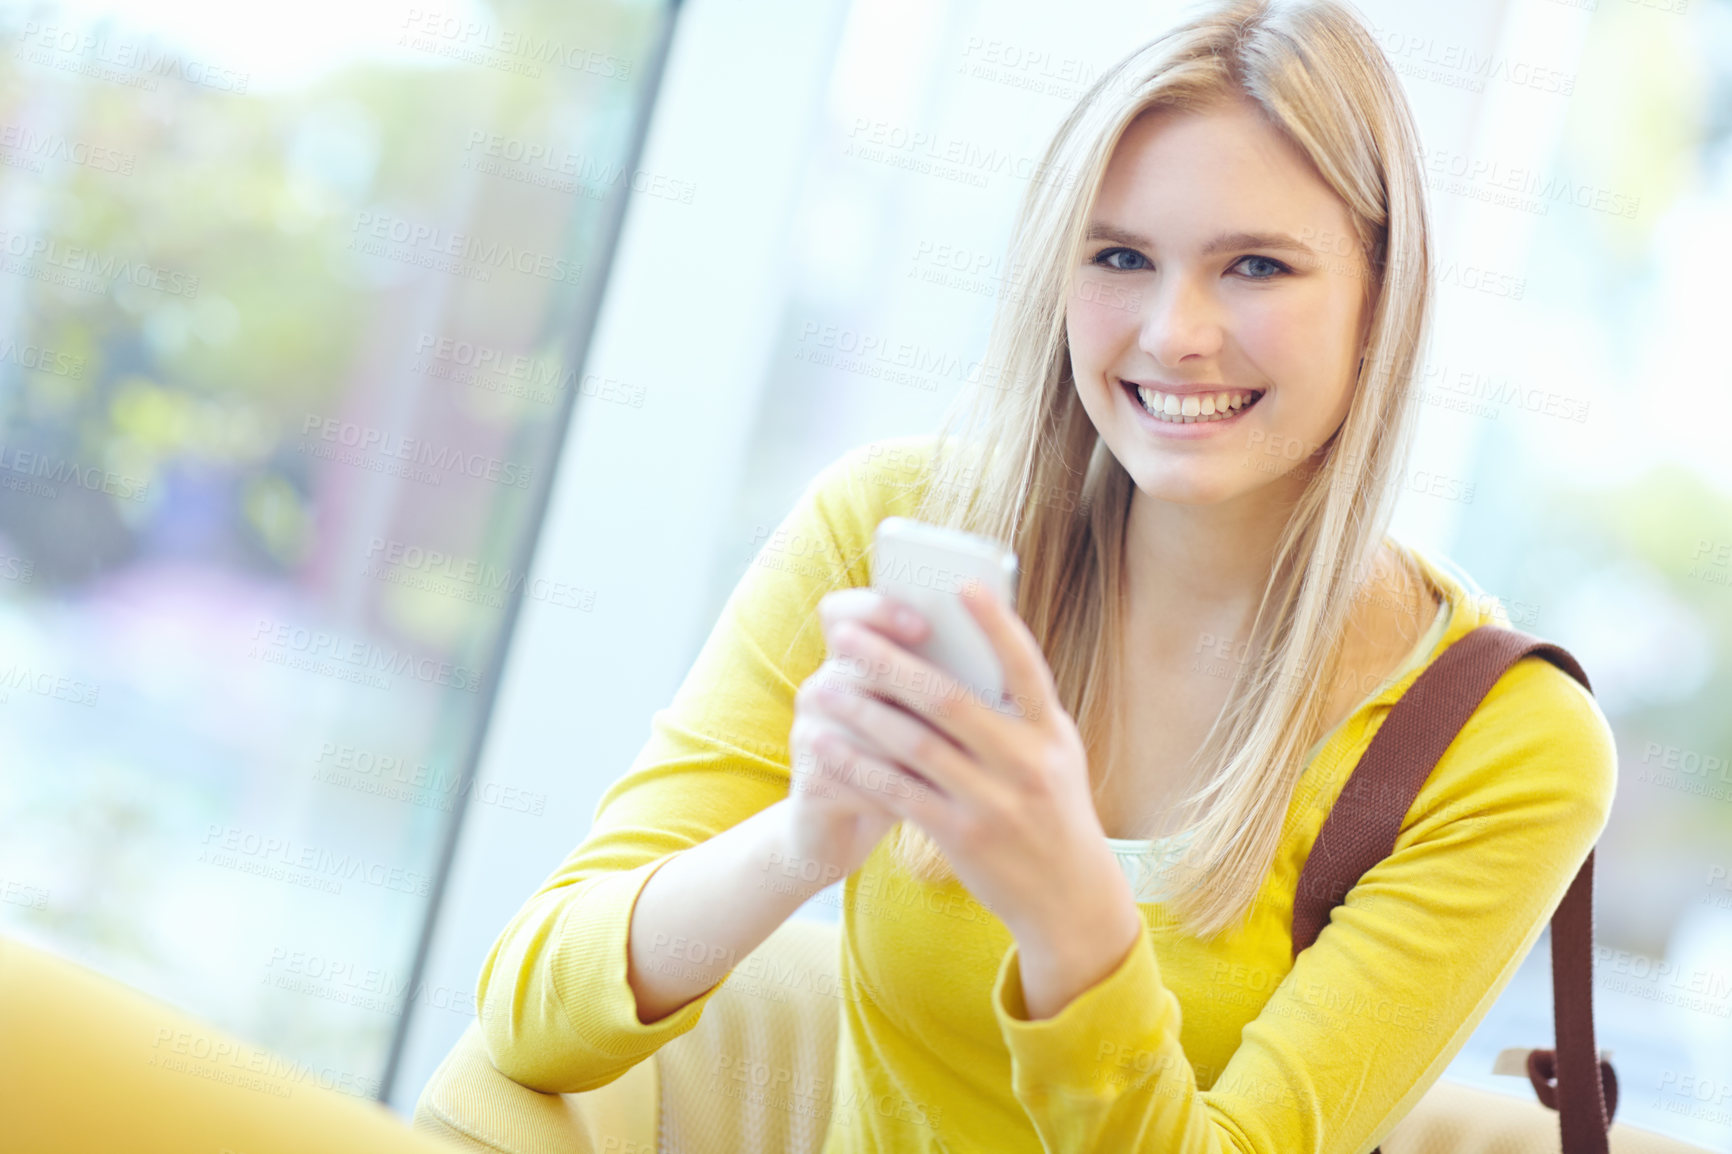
{"points": [[1370, 1015], [556, 1009]]}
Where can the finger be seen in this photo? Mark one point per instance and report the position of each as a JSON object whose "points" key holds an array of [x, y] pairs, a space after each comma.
{"points": [[814, 768], [834, 680], [872, 608], [898, 736], [884, 669], [1026, 677], [842, 764], [821, 700]]}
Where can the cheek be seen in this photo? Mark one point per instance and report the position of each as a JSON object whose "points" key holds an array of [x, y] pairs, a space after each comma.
{"points": [[1280, 341], [1098, 325], [1284, 345]]}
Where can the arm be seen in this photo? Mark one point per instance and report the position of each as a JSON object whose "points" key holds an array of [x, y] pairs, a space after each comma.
{"points": [[575, 992], [709, 907], [1368, 1017]]}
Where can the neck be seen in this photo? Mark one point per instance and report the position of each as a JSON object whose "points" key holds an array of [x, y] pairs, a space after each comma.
{"points": [[1192, 570]]}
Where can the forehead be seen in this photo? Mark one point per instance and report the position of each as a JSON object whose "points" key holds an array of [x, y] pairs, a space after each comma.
{"points": [[1175, 173]]}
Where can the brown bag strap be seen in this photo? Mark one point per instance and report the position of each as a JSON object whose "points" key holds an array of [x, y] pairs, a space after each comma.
{"points": [[1359, 834]]}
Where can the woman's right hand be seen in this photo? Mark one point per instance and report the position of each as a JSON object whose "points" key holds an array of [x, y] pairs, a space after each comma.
{"points": [[837, 815]]}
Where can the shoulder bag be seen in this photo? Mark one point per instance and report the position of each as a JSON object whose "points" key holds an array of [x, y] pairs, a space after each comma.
{"points": [[1361, 829]]}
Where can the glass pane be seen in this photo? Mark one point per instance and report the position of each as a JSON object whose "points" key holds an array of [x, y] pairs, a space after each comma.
{"points": [[285, 351]]}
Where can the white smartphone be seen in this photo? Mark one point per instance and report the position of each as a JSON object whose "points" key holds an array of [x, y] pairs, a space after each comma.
{"points": [[925, 567]]}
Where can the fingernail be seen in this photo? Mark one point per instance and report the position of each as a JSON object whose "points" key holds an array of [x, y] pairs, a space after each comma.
{"points": [[908, 621]]}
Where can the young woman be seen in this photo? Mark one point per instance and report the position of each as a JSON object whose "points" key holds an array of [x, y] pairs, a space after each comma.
{"points": [[1066, 922]]}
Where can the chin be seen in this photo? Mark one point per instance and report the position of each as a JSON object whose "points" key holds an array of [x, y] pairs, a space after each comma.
{"points": [[1190, 482]]}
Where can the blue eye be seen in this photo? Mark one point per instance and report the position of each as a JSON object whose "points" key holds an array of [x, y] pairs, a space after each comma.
{"points": [[1275, 265], [1130, 260], [1104, 258]]}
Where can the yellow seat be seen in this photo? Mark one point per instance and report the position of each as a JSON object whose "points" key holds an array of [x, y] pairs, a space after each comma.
{"points": [[1451, 1118], [89, 1064], [755, 1074]]}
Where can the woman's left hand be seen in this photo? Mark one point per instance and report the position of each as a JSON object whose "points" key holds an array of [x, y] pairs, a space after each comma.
{"points": [[1014, 808]]}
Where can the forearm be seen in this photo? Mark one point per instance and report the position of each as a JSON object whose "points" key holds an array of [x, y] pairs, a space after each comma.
{"points": [[701, 913], [1053, 976], [1071, 953], [558, 996]]}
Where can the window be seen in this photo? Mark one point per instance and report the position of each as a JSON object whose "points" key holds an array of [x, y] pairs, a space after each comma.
{"points": [[290, 318]]}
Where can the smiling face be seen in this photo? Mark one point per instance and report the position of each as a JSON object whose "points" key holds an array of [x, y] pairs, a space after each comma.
{"points": [[1220, 273]]}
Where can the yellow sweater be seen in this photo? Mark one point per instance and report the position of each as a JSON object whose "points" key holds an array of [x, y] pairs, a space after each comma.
{"points": [[1187, 1045]]}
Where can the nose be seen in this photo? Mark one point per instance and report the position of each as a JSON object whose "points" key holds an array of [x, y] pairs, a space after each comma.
{"points": [[1181, 318]]}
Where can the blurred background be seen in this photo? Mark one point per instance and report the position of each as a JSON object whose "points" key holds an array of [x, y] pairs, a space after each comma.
{"points": [[390, 396]]}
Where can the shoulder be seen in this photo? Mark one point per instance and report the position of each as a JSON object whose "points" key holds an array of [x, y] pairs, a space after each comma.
{"points": [[1537, 746], [1537, 728], [869, 482], [822, 543], [884, 470]]}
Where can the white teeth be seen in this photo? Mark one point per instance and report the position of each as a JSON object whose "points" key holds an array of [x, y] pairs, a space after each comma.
{"points": [[1195, 406]]}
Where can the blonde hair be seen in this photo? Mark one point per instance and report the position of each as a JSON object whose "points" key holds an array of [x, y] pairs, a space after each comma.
{"points": [[1022, 462]]}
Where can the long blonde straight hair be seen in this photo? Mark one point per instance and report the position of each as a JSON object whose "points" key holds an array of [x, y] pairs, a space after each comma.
{"points": [[1019, 460]]}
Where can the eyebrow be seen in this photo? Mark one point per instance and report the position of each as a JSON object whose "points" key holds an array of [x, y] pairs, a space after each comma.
{"points": [[1222, 243]]}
